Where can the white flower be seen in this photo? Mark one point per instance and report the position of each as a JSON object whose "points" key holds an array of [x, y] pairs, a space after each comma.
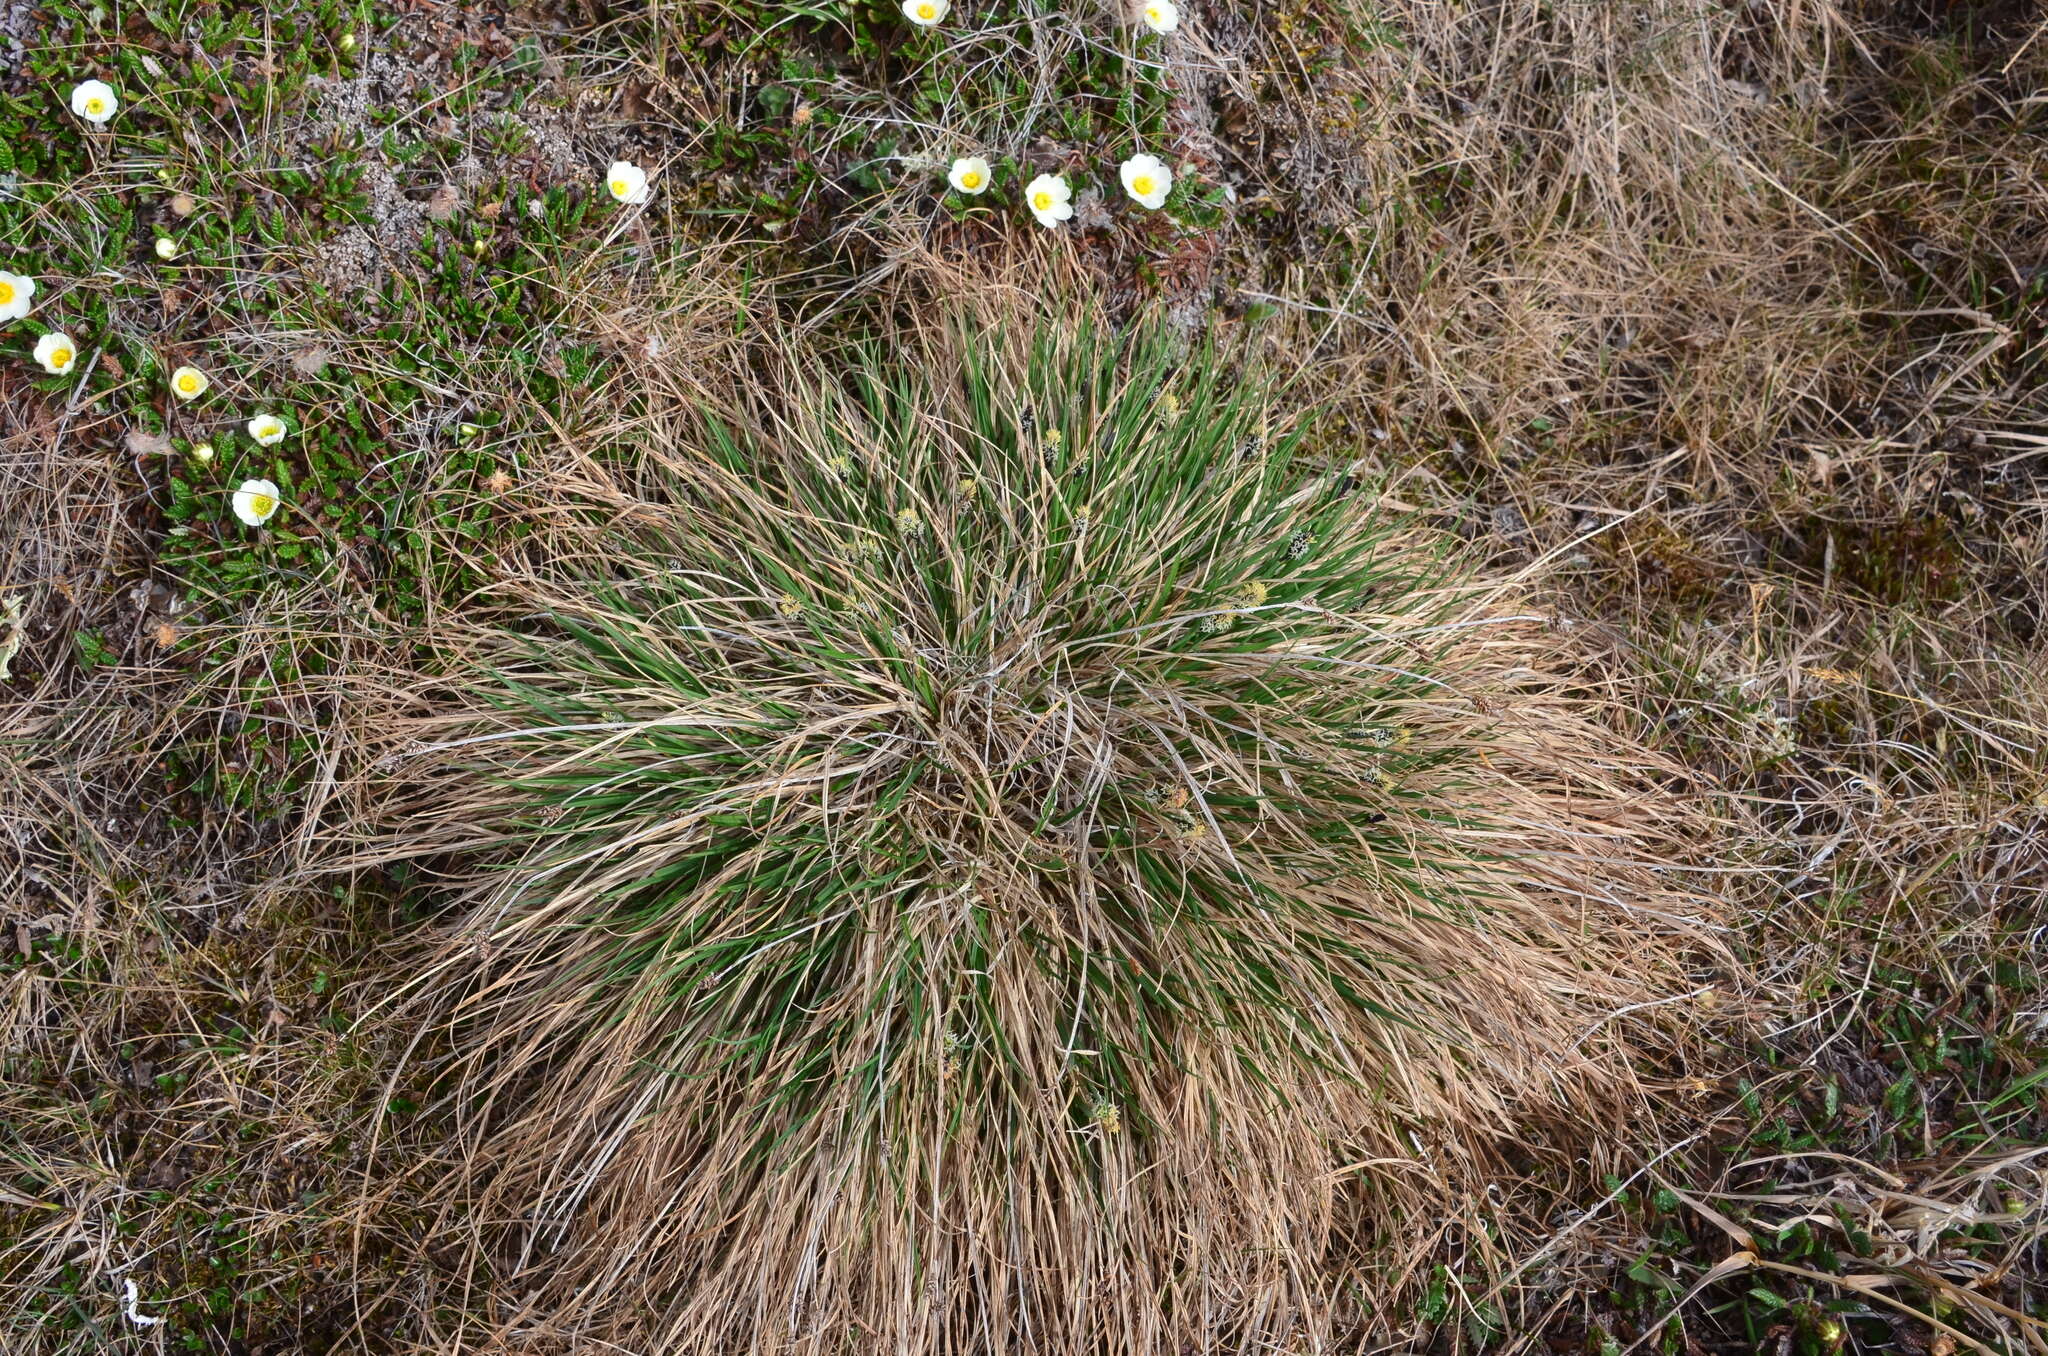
{"points": [[202, 452], [1049, 198], [970, 174], [267, 429], [1161, 16], [627, 182], [925, 13], [166, 248], [1147, 179], [189, 383], [94, 100], [15, 294], [256, 502], [57, 353]]}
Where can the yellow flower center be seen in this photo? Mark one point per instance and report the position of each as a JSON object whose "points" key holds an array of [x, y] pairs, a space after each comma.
{"points": [[262, 505], [6, 292], [95, 105], [927, 11], [1042, 200], [60, 357], [266, 430], [971, 180], [1142, 185], [189, 382], [619, 189]]}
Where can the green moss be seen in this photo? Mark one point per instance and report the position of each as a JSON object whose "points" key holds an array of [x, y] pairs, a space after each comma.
{"points": [[1904, 560]]}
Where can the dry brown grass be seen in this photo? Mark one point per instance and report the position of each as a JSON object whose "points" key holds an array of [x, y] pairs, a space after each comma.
{"points": [[178, 1095], [1752, 272]]}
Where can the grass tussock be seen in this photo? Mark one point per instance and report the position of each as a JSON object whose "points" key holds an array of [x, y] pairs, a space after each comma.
{"points": [[968, 844]]}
